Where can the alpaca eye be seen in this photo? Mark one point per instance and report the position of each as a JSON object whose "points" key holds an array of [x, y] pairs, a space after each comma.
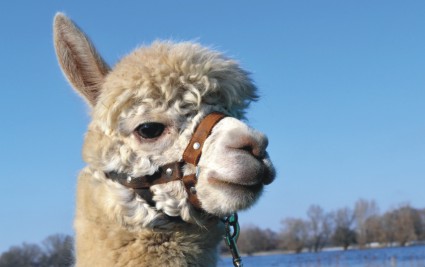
{"points": [[150, 130]]}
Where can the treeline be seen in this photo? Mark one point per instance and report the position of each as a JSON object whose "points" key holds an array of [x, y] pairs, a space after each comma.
{"points": [[361, 226], [55, 251]]}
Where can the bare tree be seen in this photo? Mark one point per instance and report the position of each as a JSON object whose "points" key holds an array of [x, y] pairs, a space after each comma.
{"points": [[404, 225], [364, 210], [344, 235], [374, 229], [327, 228], [27, 255], [58, 250], [319, 227], [294, 235], [388, 224], [272, 239], [253, 239], [55, 252], [419, 223], [399, 225]]}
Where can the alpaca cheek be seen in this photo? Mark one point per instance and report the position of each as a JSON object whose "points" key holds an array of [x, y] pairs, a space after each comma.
{"points": [[96, 147]]}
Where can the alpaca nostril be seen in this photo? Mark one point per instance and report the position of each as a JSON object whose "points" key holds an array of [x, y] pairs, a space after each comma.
{"points": [[247, 148], [253, 149]]}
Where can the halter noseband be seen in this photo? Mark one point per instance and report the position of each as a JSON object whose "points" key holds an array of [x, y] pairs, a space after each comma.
{"points": [[173, 171]]}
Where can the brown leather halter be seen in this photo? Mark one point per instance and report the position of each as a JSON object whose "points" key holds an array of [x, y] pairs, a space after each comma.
{"points": [[173, 171]]}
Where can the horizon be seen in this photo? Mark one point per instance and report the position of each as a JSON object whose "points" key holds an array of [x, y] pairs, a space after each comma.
{"points": [[342, 93]]}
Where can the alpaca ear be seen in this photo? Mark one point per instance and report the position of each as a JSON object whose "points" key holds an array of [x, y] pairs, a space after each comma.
{"points": [[79, 60]]}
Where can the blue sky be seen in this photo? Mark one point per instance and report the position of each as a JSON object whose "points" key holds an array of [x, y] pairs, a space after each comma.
{"points": [[342, 87]]}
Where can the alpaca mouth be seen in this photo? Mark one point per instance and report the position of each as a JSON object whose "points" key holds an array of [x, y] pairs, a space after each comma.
{"points": [[253, 177], [254, 187]]}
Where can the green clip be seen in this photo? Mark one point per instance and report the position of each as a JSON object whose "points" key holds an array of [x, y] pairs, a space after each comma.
{"points": [[231, 237]]}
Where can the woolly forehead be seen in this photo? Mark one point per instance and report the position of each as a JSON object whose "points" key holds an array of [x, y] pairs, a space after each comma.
{"points": [[182, 76]]}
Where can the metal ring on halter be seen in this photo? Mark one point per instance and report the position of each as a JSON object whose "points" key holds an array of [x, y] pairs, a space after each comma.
{"points": [[197, 172]]}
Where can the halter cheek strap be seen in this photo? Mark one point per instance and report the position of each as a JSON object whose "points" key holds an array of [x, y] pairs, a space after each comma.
{"points": [[193, 151], [173, 171]]}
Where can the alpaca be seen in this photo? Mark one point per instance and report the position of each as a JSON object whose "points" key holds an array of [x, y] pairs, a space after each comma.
{"points": [[144, 112]]}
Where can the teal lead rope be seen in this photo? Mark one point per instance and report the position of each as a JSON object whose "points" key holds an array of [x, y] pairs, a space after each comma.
{"points": [[232, 229]]}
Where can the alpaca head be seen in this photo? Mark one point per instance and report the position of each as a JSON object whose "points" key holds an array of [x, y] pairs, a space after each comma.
{"points": [[144, 112]]}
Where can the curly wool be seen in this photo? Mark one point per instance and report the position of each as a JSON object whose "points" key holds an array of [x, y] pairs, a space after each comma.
{"points": [[182, 75]]}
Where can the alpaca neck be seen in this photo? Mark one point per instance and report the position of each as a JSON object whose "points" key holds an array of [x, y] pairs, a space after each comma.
{"points": [[101, 240], [147, 247]]}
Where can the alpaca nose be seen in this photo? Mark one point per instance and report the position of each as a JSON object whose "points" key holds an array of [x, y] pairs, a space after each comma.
{"points": [[254, 143], [255, 146]]}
